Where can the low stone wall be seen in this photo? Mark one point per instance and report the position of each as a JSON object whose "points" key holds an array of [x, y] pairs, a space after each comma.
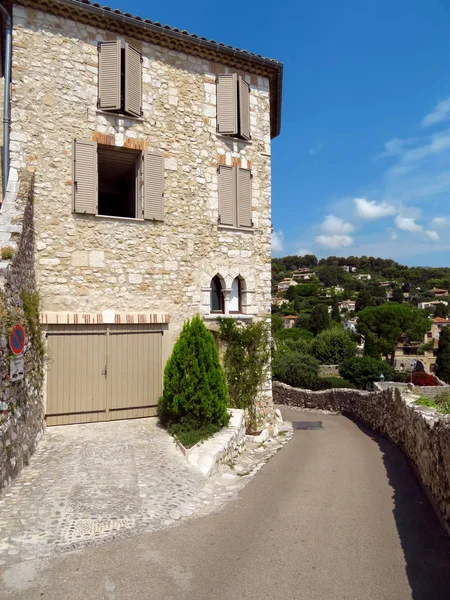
{"points": [[431, 391], [222, 447], [421, 432], [21, 406]]}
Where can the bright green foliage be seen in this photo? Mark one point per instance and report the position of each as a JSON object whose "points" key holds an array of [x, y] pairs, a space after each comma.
{"points": [[441, 402], [190, 431], [443, 357], [277, 323], [319, 319], [386, 323], [330, 382], [332, 346], [294, 334], [246, 362], [194, 381], [335, 315], [363, 370], [298, 370]]}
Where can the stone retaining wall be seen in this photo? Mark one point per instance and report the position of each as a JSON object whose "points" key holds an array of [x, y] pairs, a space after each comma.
{"points": [[21, 406], [421, 432]]}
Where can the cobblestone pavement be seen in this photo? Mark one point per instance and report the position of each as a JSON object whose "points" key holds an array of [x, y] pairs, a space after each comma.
{"points": [[88, 484]]}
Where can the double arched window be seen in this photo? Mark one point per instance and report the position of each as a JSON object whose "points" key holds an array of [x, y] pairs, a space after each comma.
{"points": [[217, 302]]}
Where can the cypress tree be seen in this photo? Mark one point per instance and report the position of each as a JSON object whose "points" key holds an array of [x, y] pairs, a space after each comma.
{"points": [[443, 357], [335, 314], [297, 305], [194, 381]]}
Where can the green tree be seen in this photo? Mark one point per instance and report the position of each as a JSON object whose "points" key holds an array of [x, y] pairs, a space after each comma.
{"points": [[441, 310], [364, 370], [397, 295], [335, 315], [364, 299], [443, 357], [388, 322], [298, 370], [277, 323], [297, 305], [332, 346], [319, 319], [194, 381]]}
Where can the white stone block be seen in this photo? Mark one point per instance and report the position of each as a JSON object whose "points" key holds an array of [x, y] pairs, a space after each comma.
{"points": [[171, 164], [80, 258], [97, 258], [135, 278]]}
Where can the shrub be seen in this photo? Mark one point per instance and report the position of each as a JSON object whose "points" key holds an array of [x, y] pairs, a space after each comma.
{"points": [[423, 378], [332, 346], [400, 376], [298, 370], [7, 252], [329, 383], [194, 381], [294, 334], [440, 402], [363, 371], [190, 431], [443, 357]]}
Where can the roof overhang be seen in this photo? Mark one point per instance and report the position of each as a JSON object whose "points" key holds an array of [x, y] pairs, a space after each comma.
{"points": [[154, 33]]}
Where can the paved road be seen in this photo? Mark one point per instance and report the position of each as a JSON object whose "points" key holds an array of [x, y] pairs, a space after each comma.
{"points": [[336, 514]]}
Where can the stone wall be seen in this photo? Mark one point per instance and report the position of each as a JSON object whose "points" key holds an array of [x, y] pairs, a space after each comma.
{"points": [[422, 433], [21, 406]]}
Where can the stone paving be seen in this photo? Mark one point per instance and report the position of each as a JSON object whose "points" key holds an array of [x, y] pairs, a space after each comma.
{"points": [[88, 484]]}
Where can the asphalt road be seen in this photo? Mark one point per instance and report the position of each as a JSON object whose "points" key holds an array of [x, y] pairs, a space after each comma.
{"points": [[337, 514]]}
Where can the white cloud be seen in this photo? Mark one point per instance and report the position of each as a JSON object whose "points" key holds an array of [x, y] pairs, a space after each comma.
{"points": [[277, 241], [332, 224], [302, 252], [407, 223], [315, 149], [437, 143], [440, 222], [440, 113], [394, 147], [371, 210], [394, 236], [432, 235], [334, 241]]}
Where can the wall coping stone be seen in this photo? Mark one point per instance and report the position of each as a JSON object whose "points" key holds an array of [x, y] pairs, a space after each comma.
{"points": [[105, 317]]}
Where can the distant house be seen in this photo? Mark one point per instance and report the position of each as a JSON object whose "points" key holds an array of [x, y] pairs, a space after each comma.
{"points": [[289, 321], [363, 276], [386, 284], [279, 301], [350, 326], [302, 275], [346, 305], [431, 304], [439, 292], [406, 353], [285, 285], [348, 268]]}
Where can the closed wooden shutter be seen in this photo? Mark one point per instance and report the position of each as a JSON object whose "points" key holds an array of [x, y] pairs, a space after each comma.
{"points": [[227, 196], [244, 198], [154, 186], [133, 81], [244, 109], [227, 121], [109, 56], [85, 177]]}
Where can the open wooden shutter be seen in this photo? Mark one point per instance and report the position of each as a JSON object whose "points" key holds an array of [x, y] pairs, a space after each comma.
{"points": [[85, 177], [133, 81], [227, 121], [244, 109], [154, 186], [227, 196], [109, 55], [244, 197]]}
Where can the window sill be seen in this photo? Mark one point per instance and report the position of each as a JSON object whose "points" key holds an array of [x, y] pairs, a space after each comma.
{"points": [[132, 219], [120, 116], [233, 228], [232, 138], [237, 316]]}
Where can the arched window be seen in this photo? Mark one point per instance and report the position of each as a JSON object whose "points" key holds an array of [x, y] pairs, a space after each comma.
{"points": [[235, 304], [217, 301]]}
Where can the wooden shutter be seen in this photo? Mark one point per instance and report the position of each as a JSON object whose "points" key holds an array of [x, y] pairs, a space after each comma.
{"points": [[85, 177], [109, 55], [227, 196], [244, 109], [227, 121], [133, 81], [154, 186], [244, 198]]}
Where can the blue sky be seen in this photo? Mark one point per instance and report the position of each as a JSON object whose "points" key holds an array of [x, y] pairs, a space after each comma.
{"points": [[362, 164]]}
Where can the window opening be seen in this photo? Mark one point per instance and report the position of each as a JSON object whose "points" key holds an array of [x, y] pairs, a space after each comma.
{"points": [[235, 305], [118, 172], [217, 300]]}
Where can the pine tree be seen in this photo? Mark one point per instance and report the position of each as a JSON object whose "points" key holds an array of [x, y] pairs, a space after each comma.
{"points": [[194, 381], [443, 357], [319, 319]]}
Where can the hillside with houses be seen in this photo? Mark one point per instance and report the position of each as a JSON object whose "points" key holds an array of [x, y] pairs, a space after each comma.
{"points": [[339, 289]]}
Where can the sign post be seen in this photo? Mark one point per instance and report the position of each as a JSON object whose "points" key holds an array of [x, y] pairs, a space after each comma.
{"points": [[16, 344]]}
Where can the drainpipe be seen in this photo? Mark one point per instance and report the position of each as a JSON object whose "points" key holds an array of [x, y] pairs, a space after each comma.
{"points": [[6, 99]]}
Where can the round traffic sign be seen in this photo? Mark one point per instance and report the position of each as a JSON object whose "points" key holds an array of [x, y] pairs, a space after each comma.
{"points": [[17, 339]]}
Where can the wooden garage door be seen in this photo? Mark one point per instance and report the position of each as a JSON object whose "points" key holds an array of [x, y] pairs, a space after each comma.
{"points": [[100, 373]]}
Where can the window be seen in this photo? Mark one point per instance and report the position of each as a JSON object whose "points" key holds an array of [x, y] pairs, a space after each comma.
{"points": [[235, 196], [235, 304], [217, 300], [119, 78], [233, 106], [118, 182]]}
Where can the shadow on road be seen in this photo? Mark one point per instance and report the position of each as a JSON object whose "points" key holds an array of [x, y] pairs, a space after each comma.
{"points": [[424, 542]]}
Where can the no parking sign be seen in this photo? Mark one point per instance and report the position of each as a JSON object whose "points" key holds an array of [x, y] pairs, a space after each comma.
{"points": [[17, 339]]}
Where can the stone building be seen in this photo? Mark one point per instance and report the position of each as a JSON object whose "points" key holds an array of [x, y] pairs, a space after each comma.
{"points": [[151, 149]]}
